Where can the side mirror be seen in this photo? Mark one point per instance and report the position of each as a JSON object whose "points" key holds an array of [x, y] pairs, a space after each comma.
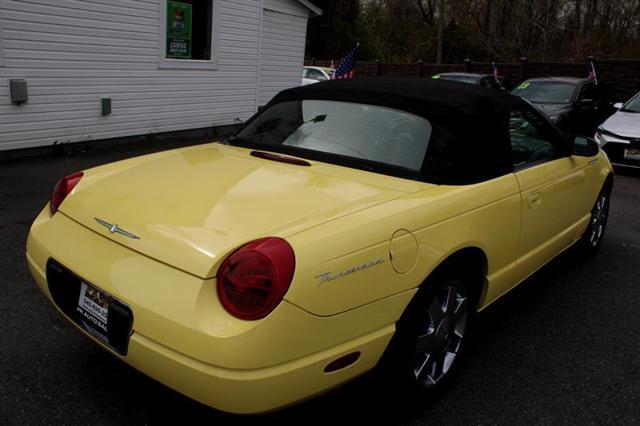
{"points": [[618, 105], [585, 147]]}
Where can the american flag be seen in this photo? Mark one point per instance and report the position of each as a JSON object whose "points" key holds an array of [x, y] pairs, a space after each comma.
{"points": [[345, 69], [494, 70], [591, 69]]}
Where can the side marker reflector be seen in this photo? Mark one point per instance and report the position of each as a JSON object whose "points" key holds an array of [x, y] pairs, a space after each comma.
{"points": [[342, 362]]}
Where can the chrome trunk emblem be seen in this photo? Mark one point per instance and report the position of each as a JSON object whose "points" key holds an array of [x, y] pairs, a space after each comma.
{"points": [[115, 229]]}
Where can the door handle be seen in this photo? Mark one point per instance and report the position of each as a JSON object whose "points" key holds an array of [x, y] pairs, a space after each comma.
{"points": [[534, 199]]}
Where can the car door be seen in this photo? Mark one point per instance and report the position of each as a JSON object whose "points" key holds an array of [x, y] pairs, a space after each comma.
{"points": [[312, 75], [489, 82], [602, 104], [551, 182], [306, 79], [504, 84], [317, 75], [587, 110]]}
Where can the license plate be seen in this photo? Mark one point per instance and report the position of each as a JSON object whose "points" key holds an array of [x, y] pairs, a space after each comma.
{"points": [[93, 307], [632, 154], [100, 314]]}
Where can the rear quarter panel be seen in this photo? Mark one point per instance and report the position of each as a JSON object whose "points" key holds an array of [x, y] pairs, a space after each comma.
{"points": [[354, 251]]}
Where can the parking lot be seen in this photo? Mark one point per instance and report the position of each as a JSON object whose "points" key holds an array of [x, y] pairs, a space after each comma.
{"points": [[564, 348]]}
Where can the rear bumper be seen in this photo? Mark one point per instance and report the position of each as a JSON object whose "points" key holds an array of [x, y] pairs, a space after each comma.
{"points": [[182, 339], [253, 391], [244, 391]]}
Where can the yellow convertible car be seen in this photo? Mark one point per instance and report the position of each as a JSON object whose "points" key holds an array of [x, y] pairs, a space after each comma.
{"points": [[348, 225]]}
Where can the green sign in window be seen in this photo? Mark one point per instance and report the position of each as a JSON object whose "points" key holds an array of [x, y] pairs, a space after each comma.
{"points": [[178, 30]]}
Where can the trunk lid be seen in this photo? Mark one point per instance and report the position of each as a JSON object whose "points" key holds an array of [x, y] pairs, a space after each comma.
{"points": [[190, 207]]}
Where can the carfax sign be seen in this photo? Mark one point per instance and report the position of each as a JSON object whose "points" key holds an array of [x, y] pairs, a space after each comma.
{"points": [[178, 30]]}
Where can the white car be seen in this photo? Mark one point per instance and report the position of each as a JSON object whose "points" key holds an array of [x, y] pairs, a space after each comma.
{"points": [[619, 136], [312, 75]]}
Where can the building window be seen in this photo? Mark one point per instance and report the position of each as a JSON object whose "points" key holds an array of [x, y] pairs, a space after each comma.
{"points": [[187, 33]]}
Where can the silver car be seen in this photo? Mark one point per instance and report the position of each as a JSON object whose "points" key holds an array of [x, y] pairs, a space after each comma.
{"points": [[312, 75], [619, 136]]}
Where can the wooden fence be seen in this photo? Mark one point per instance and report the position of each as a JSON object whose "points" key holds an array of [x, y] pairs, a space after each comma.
{"points": [[622, 76]]}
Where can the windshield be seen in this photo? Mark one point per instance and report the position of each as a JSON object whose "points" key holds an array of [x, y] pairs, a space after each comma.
{"points": [[470, 79], [633, 105], [546, 92], [359, 131]]}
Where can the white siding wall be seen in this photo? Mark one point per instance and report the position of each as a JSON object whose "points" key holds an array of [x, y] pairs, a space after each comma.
{"points": [[74, 52], [282, 48], [281, 52], [289, 7]]}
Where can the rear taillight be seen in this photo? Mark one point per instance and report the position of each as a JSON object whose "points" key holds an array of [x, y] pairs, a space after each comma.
{"points": [[254, 279], [62, 189]]}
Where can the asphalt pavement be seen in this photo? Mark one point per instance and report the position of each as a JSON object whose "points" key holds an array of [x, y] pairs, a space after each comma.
{"points": [[564, 348]]}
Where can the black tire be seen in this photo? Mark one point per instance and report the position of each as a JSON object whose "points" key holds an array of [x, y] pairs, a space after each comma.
{"points": [[591, 240], [440, 355]]}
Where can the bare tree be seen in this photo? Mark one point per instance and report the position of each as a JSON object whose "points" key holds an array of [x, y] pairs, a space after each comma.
{"points": [[500, 30]]}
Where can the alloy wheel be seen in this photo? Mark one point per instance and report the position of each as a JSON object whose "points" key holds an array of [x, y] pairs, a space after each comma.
{"points": [[439, 343], [598, 219]]}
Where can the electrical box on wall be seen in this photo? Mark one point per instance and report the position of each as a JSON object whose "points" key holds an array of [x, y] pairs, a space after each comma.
{"points": [[18, 91], [106, 106]]}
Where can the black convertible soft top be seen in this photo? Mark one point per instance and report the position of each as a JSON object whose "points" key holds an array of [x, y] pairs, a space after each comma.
{"points": [[471, 140], [383, 90]]}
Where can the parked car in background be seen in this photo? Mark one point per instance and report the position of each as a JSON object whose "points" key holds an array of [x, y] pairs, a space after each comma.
{"points": [[619, 136], [482, 80], [312, 75], [574, 105], [349, 225]]}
